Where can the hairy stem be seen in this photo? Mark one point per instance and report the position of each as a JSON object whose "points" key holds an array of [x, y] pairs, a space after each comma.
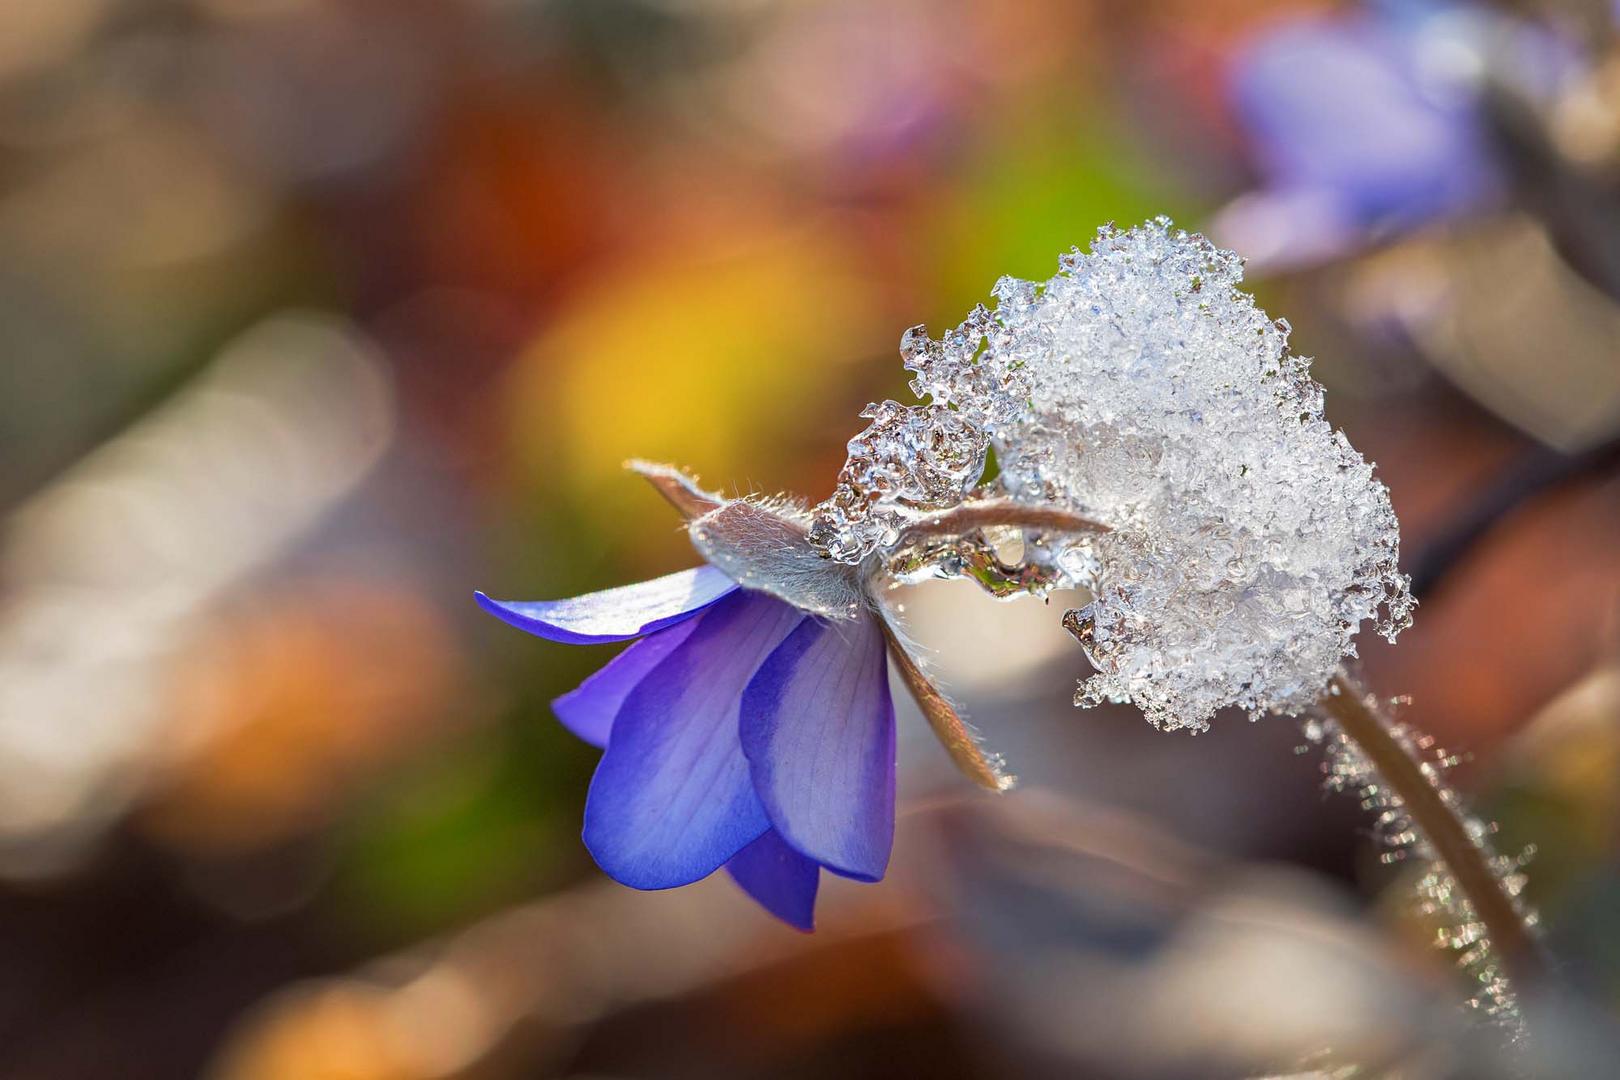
{"points": [[951, 730], [1441, 825], [983, 513]]}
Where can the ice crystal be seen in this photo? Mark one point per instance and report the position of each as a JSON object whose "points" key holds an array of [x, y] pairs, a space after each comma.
{"points": [[911, 458], [1139, 386]]}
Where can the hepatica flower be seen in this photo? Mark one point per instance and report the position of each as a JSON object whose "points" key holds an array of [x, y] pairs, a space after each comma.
{"points": [[1366, 125], [1158, 447], [750, 723], [1354, 134]]}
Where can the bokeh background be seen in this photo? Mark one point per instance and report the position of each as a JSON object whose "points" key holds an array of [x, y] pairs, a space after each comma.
{"points": [[317, 315]]}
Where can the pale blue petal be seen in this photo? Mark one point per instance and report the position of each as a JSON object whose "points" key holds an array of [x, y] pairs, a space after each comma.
{"points": [[616, 614]]}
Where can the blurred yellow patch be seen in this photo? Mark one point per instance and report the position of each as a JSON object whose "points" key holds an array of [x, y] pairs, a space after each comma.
{"points": [[339, 1032], [725, 362], [1568, 756]]}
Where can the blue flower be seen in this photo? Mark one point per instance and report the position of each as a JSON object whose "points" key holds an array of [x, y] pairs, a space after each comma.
{"points": [[1367, 125], [750, 724]]}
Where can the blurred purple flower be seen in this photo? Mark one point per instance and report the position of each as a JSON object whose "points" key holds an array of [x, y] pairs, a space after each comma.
{"points": [[739, 729], [1360, 126]]}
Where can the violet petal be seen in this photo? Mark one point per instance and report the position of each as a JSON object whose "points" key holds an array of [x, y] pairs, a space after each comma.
{"points": [[783, 881], [616, 614], [818, 729], [589, 709], [672, 799]]}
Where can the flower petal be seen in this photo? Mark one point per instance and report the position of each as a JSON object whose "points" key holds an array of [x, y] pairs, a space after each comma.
{"points": [[783, 881], [589, 709], [672, 799], [818, 729], [616, 614]]}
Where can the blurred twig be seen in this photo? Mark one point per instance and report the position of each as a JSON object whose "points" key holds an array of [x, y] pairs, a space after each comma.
{"points": [[1536, 473]]}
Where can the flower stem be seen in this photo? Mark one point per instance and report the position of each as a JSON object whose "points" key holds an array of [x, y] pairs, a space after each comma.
{"points": [[1437, 818]]}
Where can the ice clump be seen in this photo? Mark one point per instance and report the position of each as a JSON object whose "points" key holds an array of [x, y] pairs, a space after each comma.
{"points": [[1141, 388], [910, 458]]}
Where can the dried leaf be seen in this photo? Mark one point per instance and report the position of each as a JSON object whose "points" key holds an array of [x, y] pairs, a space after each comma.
{"points": [[679, 488]]}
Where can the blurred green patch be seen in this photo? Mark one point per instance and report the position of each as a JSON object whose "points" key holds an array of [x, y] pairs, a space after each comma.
{"points": [[1042, 182], [485, 822]]}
